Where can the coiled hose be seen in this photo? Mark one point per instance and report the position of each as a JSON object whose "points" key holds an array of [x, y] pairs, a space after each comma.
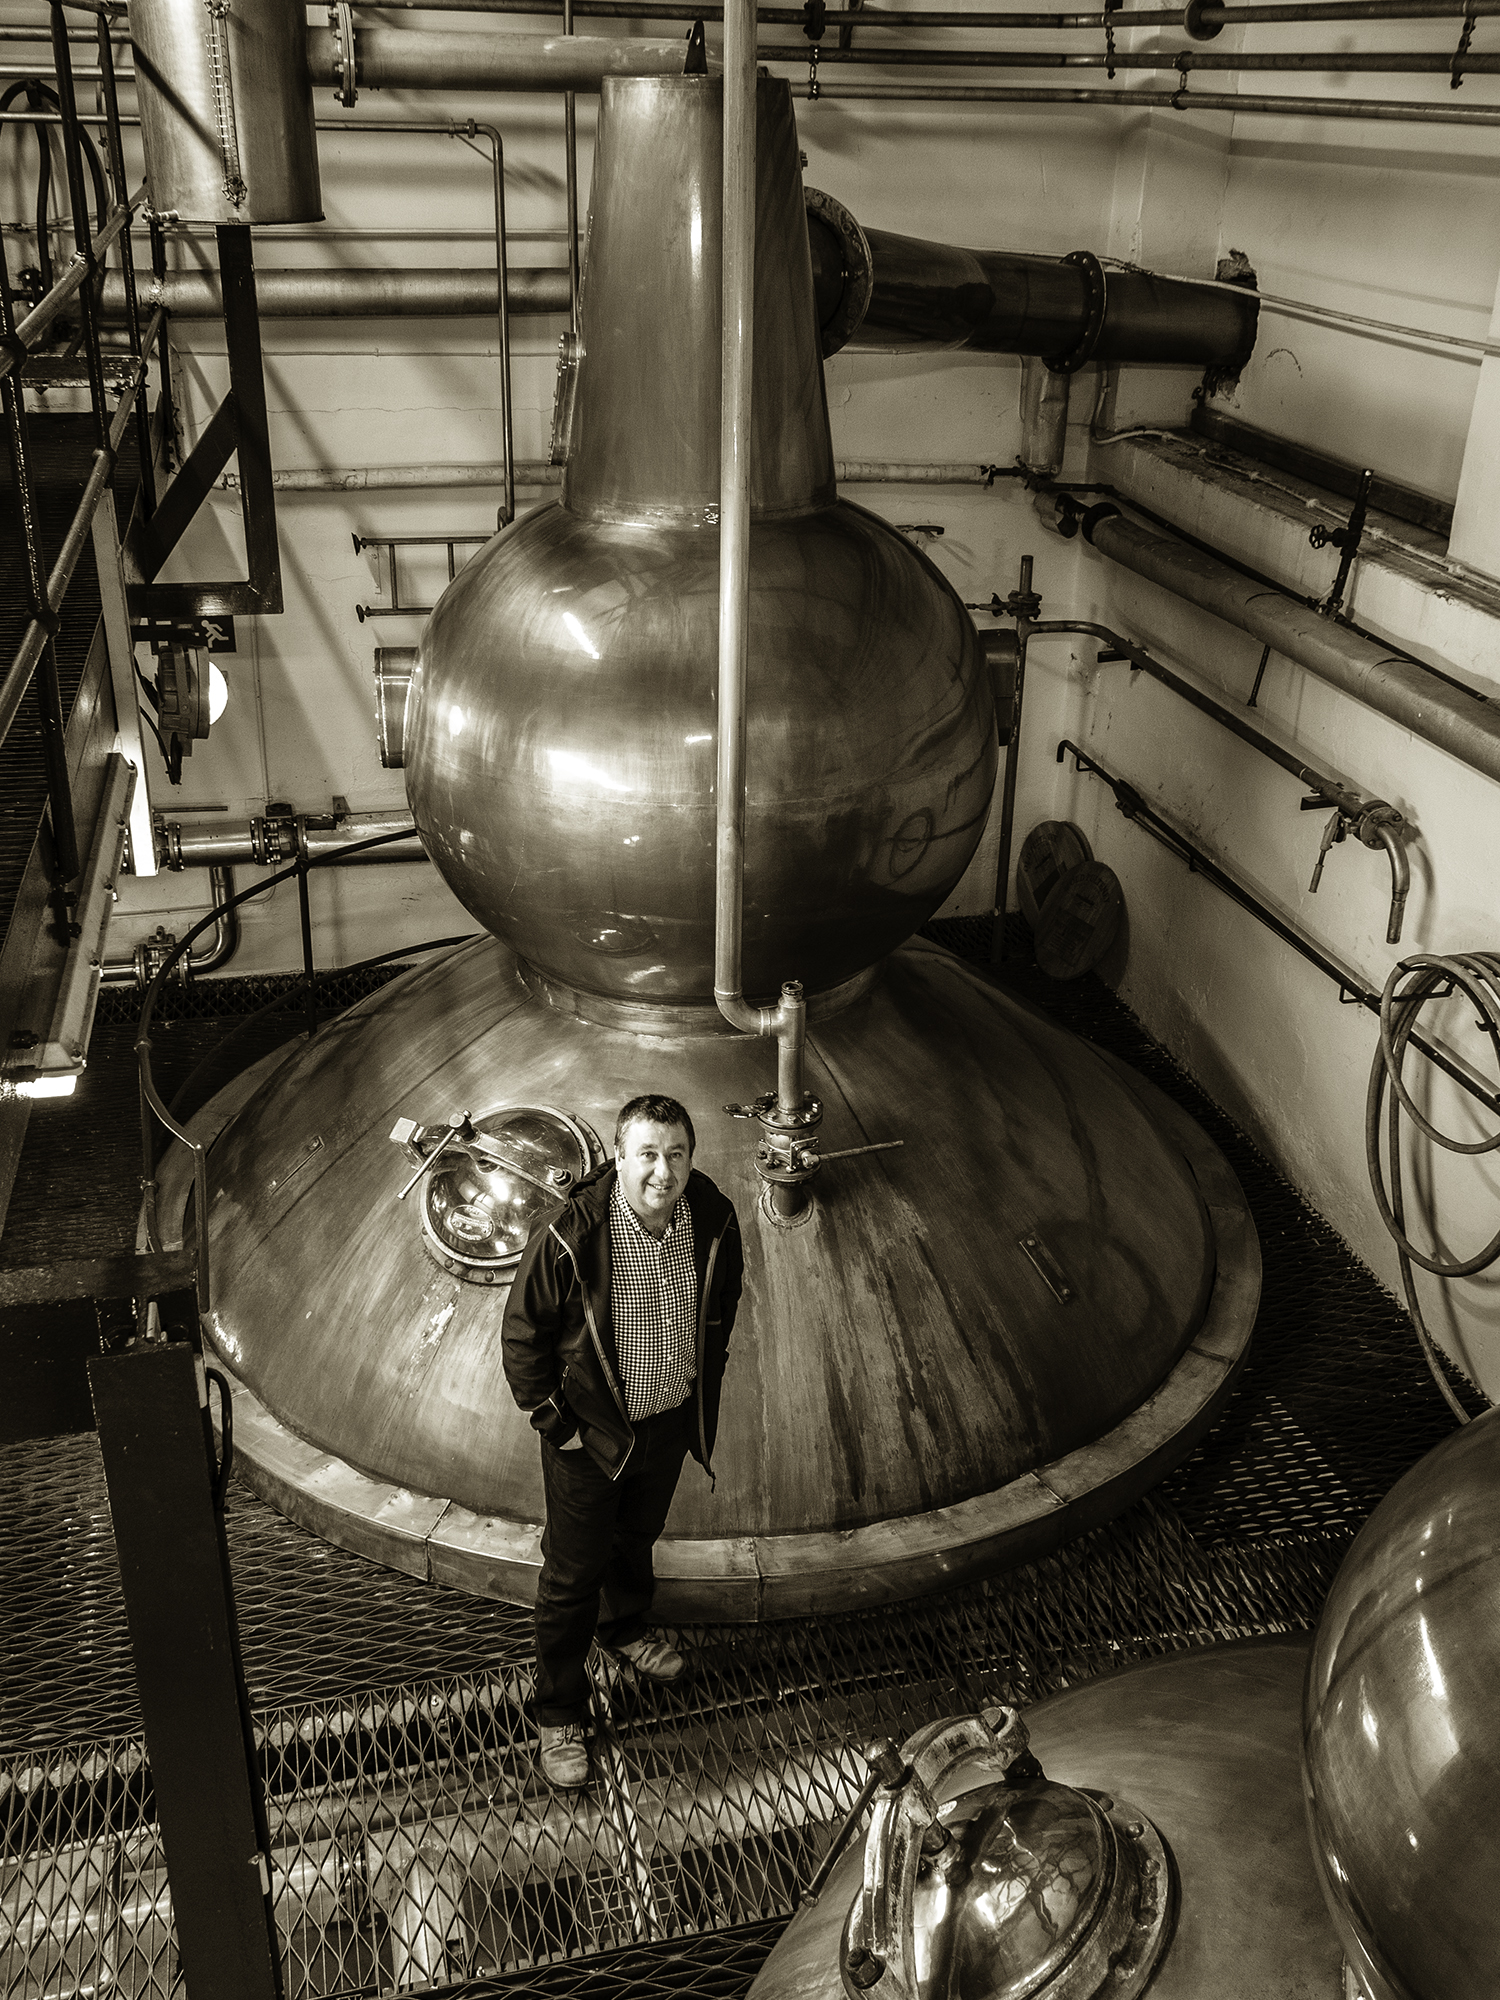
{"points": [[1430, 977]]}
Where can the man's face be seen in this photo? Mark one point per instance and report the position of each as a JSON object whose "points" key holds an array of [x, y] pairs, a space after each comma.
{"points": [[653, 1163]]}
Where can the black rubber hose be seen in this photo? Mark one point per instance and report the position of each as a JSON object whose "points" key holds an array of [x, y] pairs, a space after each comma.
{"points": [[38, 97], [1429, 977]]}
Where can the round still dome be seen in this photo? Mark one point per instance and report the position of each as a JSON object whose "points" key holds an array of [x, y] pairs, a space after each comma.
{"points": [[1164, 1854], [989, 1335], [1401, 1754]]}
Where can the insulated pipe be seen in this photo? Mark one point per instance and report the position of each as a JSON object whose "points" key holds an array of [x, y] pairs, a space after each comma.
{"points": [[1464, 725], [425, 59], [877, 289], [435, 292]]}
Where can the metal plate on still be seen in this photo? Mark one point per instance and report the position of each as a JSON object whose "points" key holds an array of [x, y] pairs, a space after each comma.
{"points": [[1051, 849], [1079, 920]]}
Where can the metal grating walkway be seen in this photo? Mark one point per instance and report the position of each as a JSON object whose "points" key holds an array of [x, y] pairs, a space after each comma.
{"points": [[414, 1843]]}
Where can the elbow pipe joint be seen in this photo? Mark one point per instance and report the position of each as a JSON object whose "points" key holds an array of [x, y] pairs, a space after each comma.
{"points": [[1380, 826]]}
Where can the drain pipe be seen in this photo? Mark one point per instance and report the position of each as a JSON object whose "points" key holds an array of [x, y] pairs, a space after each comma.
{"points": [[1394, 685], [779, 1159]]}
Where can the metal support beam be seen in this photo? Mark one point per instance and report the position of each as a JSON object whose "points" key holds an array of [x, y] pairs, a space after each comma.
{"points": [[151, 1405], [239, 425]]}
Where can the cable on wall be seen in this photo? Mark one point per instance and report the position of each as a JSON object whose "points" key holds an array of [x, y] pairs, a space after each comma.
{"points": [[1429, 977]]}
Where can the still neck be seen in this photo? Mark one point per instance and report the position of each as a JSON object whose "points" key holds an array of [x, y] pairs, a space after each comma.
{"points": [[645, 439]]}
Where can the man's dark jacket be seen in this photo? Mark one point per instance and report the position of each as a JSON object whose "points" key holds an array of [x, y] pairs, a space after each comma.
{"points": [[558, 1339]]}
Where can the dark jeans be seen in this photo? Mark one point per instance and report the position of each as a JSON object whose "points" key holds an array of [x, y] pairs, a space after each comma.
{"points": [[596, 1575]]}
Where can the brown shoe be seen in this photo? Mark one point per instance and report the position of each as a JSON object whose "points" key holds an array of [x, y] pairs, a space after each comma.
{"points": [[653, 1658], [565, 1758]]}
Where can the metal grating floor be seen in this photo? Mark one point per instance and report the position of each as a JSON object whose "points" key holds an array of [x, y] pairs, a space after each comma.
{"points": [[414, 1843]]}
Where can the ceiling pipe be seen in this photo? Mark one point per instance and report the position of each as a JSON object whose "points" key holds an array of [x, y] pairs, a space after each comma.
{"points": [[1320, 62], [431, 59], [1465, 725], [421, 59], [1208, 15], [1379, 110]]}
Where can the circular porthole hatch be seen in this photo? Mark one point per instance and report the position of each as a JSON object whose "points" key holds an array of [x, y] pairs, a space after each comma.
{"points": [[490, 1177]]}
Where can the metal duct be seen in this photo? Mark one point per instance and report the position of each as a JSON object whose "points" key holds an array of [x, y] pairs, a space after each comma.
{"points": [[226, 110], [1430, 706], [421, 59], [878, 290]]}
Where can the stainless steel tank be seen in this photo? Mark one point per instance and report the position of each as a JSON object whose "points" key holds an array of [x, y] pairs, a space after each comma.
{"points": [[227, 110], [1158, 1849], [1401, 1752], [561, 728]]}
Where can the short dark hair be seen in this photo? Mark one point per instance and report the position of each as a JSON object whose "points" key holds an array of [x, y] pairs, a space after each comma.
{"points": [[654, 1110]]}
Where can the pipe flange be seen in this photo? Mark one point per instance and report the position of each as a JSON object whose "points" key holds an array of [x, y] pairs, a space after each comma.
{"points": [[1194, 24], [345, 65], [1096, 293], [858, 272]]}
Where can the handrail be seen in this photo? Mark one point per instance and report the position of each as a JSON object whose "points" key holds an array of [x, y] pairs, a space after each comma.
{"points": [[18, 679], [80, 268], [151, 1099]]}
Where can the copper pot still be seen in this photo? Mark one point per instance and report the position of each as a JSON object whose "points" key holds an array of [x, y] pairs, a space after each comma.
{"points": [[1401, 1754], [562, 724]]}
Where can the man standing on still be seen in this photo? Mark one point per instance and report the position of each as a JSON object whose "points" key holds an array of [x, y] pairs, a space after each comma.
{"points": [[615, 1340]]}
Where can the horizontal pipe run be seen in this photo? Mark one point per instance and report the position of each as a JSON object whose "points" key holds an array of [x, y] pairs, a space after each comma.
{"points": [[1323, 62], [1332, 790], [437, 292], [1068, 310], [537, 472], [1370, 110], [1135, 809], [431, 59], [1437, 711], [45, 311], [1211, 15], [1373, 109], [400, 59], [271, 843]]}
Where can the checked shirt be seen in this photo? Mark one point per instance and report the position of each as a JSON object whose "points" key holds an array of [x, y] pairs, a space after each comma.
{"points": [[653, 1297]]}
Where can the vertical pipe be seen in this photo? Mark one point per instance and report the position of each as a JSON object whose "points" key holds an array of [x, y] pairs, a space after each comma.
{"points": [[738, 282], [570, 138], [304, 911], [164, 349], [1012, 760], [116, 156], [89, 292], [502, 264]]}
